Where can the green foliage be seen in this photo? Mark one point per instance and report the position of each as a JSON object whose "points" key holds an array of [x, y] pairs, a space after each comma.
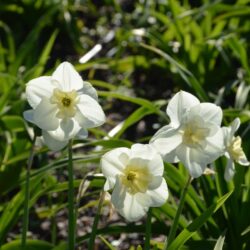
{"points": [[31, 245], [150, 50]]}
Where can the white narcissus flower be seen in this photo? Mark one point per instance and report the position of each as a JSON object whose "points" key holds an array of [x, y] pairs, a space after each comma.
{"points": [[233, 149], [63, 106], [136, 176], [194, 135]]}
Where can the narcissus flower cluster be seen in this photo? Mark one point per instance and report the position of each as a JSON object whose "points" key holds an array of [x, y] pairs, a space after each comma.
{"points": [[63, 106], [194, 137]]}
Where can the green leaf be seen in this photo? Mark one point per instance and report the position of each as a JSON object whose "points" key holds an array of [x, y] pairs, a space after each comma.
{"points": [[103, 84], [128, 63], [197, 223], [62, 246], [106, 243], [31, 40], [132, 119], [13, 123], [11, 44], [186, 75], [219, 243], [234, 12], [9, 177], [177, 182], [30, 245], [111, 143], [45, 55], [136, 100], [240, 51], [14, 207], [157, 228]]}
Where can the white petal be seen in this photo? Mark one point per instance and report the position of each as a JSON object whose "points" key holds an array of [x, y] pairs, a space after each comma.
{"points": [[29, 115], [88, 89], [118, 194], [143, 199], [143, 151], [165, 141], [230, 170], [147, 155], [191, 159], [214, 146], [53, 144], [90, 113], [171, 157], [113, 164], [227, 136], [196, 159], [156, 197], [132, 210], [38, 88], [82, 134], [234, 126], [127, 204], [228, 132], [45, 115], [67, 77], [109, 184], [138, 162], [179, 104], [213, 129], [168, 143], [156, 166], [165, 131], [227, 155], [155, 182], [209, 112], [67, 129], [243, 160]]}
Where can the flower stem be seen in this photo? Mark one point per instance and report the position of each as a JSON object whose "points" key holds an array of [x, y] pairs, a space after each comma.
{"points": [[27, 195], [177, 216], [148, 230], [94, 227], [71, 209]]}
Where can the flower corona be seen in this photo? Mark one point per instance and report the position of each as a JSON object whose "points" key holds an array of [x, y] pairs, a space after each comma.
{"points": [[135, 175], [194, 135], [66, 103]]}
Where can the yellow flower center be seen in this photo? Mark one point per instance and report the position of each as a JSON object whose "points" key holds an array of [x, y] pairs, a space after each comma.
{"points": [[131, 176], [193, 134], [235, 150], [66, 103], [136, 179]]}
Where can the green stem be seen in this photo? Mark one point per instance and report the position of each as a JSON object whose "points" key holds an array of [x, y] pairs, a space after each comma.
{"points": [[52, 221], [148, 230], [91, 244], [71, 209], [27, 195], [174, 227]]}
